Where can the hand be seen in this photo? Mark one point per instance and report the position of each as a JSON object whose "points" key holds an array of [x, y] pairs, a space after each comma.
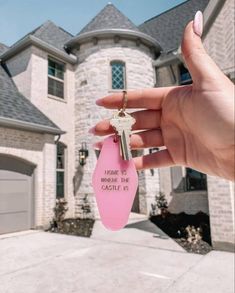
{"points": [[195, 122]]}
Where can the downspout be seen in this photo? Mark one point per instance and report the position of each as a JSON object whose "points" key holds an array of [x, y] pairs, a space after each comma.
{"points": [[58, 138]]}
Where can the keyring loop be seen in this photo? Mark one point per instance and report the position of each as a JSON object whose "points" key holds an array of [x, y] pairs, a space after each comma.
{"points": [[124, 102]]}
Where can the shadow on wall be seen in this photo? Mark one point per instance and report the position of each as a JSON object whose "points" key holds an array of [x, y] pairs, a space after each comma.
{"points": [[77, 179]]}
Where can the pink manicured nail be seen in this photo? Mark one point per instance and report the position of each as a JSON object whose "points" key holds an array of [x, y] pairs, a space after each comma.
{"points": [[198, 23], [99, 102], [92, 130]]}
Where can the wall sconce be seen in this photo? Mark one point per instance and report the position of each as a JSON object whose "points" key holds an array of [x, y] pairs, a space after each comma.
{"points": [[151, 151], [83, 154]]}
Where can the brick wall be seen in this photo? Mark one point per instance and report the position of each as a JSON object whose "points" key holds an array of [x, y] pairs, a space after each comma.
{"points": [[221, 207], [38, 149], [30, 73], [219, 42], [60, 111]]}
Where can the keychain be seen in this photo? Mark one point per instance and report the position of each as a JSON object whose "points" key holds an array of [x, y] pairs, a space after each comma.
{"points": [[115, 179]]}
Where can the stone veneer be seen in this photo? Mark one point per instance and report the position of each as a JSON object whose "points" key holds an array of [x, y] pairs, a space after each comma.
{"points": [[92, 81], [221, 207], [219, 41], [39, 150]]}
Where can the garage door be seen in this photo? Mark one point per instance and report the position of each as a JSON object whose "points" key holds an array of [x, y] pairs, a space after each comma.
{"points": [[16, 196]]}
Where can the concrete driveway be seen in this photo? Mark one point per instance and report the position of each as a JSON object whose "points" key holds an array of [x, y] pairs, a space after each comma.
{"points": [[139, 258]]}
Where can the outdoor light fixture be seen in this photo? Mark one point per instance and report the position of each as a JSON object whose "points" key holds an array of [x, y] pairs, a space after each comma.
{"points": [[83, 154]]}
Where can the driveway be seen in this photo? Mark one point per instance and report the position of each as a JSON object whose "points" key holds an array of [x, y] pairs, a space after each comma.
{"points": [[139, 258]]}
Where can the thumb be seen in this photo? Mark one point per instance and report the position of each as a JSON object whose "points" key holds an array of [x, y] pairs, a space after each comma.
{"points": [[199, 63]]}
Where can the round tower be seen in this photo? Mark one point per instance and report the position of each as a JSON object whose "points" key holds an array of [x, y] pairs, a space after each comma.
{"points": [[113, 55]]}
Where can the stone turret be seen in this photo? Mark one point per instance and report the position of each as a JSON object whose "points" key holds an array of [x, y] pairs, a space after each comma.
{"points": [[113, 55]]}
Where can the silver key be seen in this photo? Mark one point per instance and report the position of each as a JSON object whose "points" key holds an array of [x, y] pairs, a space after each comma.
{"points": [[122, 122]]}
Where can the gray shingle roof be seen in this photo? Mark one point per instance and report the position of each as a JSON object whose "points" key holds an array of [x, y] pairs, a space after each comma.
{"points": [[3, 48], [109, 18], [15, 106], [51, 34], [168, 27]]}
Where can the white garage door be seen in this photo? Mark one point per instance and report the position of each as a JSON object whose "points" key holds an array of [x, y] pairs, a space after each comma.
{"points": [[16, 196]]}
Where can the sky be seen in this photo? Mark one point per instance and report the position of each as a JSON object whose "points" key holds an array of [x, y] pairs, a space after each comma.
{"points": [[19, 17]]}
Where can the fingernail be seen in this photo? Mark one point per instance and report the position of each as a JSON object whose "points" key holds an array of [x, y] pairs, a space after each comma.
{"points": [[99, 102], [92, 130], [198, 23]]}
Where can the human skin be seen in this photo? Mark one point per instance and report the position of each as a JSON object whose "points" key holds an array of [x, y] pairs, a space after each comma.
{"points": [[195, 122]]}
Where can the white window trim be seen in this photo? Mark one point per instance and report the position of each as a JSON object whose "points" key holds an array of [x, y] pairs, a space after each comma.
{"points": [[63, 170], [64, 81]]}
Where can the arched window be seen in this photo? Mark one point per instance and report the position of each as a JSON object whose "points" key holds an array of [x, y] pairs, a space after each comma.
{"points": [[118, 75], [60, 170]]}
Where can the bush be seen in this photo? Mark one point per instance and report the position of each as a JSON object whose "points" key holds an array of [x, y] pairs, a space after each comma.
{"points": [[60, 210]]}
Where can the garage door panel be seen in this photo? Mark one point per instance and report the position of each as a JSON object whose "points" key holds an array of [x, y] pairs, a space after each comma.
{"points": [[13, 222], [15, 201], [13, 186]]}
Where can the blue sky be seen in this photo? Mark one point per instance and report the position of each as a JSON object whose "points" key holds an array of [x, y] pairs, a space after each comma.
{"points": [[19, 17]]}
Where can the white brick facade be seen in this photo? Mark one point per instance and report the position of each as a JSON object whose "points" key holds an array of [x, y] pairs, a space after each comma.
{"points": [[39, 150], [219, 42], [29, 70]]}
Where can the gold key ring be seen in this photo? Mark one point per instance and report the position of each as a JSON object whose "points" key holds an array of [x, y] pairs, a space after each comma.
{"points": [[124, 102]]}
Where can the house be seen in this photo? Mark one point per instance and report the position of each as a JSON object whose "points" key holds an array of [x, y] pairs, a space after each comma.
{"points": [[49, 81]]}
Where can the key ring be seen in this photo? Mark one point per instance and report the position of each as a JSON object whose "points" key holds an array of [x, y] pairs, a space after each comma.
{"points": [[124, 102]]}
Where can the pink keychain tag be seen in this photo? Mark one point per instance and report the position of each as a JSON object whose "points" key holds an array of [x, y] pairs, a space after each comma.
{"points": [[115, 183]]}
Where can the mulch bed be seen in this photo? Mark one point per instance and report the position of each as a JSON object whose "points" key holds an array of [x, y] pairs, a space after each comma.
{"points": [[174, 225], [77, 227]]}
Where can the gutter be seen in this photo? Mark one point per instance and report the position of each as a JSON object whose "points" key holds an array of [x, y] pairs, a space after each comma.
{"points": [[135, 35], [23, 125], [169, 59], [32, 40]]}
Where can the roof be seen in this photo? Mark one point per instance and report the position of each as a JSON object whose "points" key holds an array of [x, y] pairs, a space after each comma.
{"points": [[51, 34], [16, 109], [168, 27], [109, 18], [48, 37], [3, 48], [110, 22]]}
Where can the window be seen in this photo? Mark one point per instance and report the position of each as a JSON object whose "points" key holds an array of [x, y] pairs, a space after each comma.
{"points": [[56, 78], [118, 75], [195, 180], [185, 77], [60, 170]]}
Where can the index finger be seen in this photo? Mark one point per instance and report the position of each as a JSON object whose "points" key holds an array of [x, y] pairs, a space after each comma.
{"points": [[151, 98]]}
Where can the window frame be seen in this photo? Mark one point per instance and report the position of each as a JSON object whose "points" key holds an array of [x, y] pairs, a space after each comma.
{"points": [[61, 170], [63, 81], [181, 67], [111, 75], [188, 186]]}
